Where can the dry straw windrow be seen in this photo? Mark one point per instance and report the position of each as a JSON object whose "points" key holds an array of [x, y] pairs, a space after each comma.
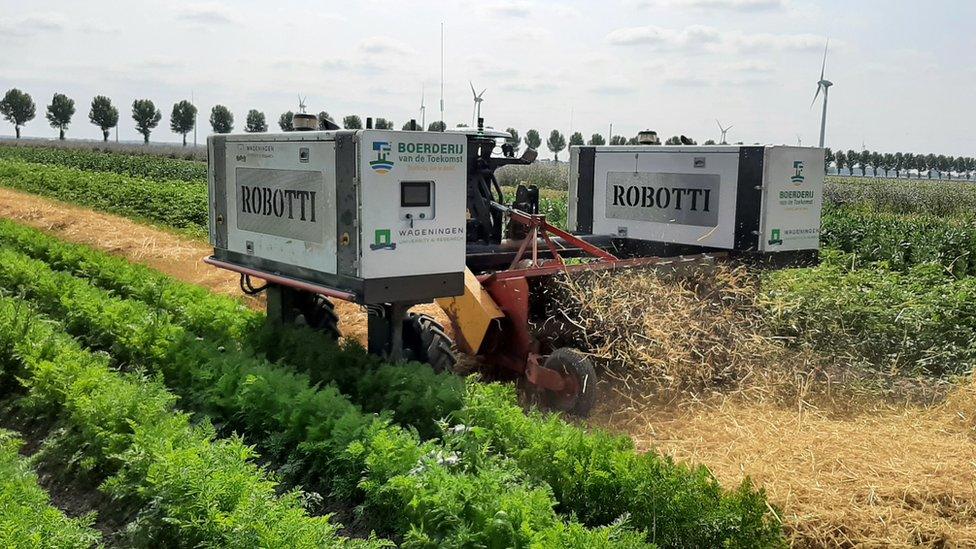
{"points": [[657, 333], [698, 379]]}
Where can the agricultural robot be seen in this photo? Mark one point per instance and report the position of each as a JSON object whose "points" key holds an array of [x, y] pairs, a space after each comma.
{"points": [[390, 219]]}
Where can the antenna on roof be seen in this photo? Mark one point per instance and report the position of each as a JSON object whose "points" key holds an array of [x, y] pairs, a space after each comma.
{"points": [[443, 124]]}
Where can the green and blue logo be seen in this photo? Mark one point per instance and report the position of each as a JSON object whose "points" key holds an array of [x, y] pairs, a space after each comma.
{"points": [[382, 165], [382, 240], [797, 177]]}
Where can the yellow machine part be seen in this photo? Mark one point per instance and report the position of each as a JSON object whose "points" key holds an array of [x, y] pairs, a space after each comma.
{"points": [[472, 314]]}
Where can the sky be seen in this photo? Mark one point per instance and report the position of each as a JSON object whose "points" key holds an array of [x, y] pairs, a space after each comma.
{"points": [[904, 72]]}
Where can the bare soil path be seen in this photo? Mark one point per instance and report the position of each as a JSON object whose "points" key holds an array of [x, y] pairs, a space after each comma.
{"points": [[887, 477]]}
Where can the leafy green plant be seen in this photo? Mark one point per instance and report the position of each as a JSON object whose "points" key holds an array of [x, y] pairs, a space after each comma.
{"points": [[176, 204], [901, 241], [27, 518], [316, 436], [916, 321], [196, 491]]}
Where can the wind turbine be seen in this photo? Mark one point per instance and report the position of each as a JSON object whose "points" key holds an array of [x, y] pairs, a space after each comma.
{"points": [[723, 130], [423, 110], [824, 85], [476, 112]]}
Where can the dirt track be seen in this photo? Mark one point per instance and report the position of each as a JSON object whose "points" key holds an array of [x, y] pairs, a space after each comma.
{"points": [[890, 477]]}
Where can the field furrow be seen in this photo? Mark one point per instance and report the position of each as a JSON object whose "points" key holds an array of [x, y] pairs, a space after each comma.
{"points": [[27, 517]]}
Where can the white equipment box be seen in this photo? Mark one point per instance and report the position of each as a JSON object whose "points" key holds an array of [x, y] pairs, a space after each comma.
{"points": [[737, 198], [378, 215]]}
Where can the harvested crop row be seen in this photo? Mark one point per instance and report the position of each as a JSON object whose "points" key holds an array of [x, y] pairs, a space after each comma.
{"points": [[919, 321], [593, 468], [176, 204], [194, 490], [27, 518], [141, 166], [431, 494], [902, 241]]}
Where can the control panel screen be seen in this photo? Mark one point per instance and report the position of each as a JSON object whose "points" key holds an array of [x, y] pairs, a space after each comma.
{"points": [[415, 194]]}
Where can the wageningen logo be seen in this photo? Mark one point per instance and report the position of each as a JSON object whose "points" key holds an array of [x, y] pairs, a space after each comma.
{"points": [[797, 177], [775, 237], [382, 165], [382, 239]]}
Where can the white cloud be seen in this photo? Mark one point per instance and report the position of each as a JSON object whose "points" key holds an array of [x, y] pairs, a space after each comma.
{"points": [[687, 81], [765, 41], [750, 67], [692, 37], [383, 45], [733, 5], [31, 24], [612, 89], [613, 85], [529, 86], [507, 9], [565, 11], [160, 62], [528, 34], [209, 13], [698, 37]]}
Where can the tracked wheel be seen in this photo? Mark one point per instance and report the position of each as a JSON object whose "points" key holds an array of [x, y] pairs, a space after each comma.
{"points": [[424, 340], [317, 312], [580, 395]]}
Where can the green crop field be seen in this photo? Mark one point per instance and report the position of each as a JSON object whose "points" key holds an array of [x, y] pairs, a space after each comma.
{"points": [[187, 421]]}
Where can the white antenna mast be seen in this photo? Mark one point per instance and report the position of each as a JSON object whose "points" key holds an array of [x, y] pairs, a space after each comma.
{"points": [[301, 103], [444, 124]]}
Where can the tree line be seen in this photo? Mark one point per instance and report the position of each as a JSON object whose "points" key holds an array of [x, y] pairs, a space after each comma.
{"points": [[19, 108], [900, 163]]}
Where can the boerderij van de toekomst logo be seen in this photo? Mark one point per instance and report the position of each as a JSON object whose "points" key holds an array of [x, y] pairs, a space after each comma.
{"points": [[417, 155], [797, 178], [797, 196], [382, 164]]}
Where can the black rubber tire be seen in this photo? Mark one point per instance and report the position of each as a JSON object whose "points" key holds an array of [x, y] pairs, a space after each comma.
{"points": [[424, 340], [573, 363], [318, 313]]}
